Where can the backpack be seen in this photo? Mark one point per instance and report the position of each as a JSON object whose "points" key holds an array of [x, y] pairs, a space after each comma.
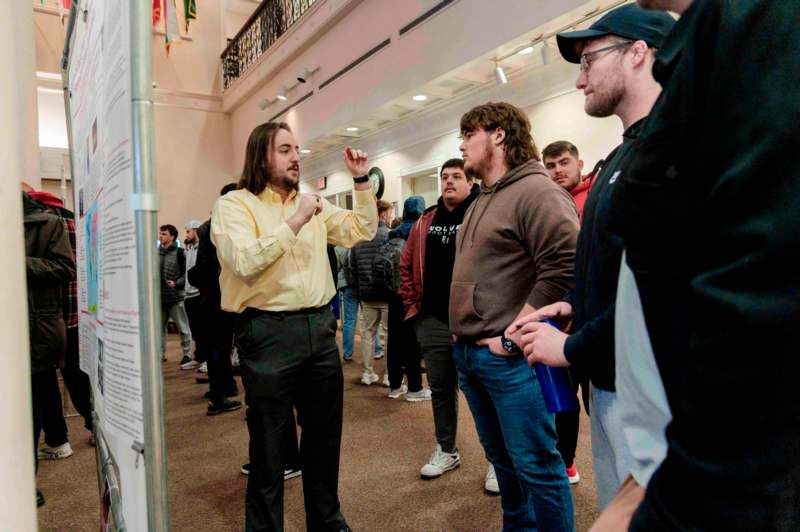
{"points": [[386, 266]]}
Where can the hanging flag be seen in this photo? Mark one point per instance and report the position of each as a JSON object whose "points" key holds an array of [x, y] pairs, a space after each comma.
{"points": [[171, 34], [158, 9], [180, 17], [190, 8]]}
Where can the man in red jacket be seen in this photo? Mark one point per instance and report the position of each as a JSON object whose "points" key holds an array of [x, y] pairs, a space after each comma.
{"points": [[427, 262], [564, 164]]}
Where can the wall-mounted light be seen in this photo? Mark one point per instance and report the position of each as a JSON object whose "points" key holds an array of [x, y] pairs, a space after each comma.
{"points": [[500, 75], [304, 75]]}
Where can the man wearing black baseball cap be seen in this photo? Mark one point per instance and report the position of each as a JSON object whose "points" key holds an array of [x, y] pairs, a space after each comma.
{"points": [[712, 227], [616, 55]]}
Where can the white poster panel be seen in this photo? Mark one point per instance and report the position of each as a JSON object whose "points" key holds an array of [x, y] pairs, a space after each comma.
{"points": [[99, 73]]}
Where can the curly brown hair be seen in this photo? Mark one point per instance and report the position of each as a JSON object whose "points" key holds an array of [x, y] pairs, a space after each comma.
{"points": [[519, 145]]}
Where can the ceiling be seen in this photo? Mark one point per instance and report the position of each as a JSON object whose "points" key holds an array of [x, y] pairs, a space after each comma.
{"points": [[474, 76]]}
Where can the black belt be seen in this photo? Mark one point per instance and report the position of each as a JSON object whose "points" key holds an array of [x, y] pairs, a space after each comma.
{"points": [[251, 312]]}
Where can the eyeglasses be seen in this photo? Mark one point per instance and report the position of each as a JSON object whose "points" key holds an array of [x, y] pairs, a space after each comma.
{"points": [[588, 57]]}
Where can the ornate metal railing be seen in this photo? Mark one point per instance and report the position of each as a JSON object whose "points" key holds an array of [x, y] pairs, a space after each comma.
{"points": [[268, 22]]}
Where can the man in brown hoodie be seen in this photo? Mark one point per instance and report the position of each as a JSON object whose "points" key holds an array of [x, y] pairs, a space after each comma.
{"points": [[514, 252]]}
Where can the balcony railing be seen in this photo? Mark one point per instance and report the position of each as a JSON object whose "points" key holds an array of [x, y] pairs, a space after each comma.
{"points": [[270, 20]]}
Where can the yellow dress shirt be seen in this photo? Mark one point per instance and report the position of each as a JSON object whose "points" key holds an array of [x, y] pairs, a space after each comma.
{"points": [[265, 265]]}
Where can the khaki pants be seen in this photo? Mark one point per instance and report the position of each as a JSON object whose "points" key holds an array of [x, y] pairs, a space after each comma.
{"points": [[373, 315]]}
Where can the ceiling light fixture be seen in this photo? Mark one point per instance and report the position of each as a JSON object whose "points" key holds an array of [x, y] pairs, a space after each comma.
{"points": [[263, 104], [525, 51], [305, 151], [500, 74], [550, 53], [419, 98], [352, 129], [304, 75], [282, 94]]}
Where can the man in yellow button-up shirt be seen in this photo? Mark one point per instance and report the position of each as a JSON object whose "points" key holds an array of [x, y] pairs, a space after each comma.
{"points": [[271, 242]]}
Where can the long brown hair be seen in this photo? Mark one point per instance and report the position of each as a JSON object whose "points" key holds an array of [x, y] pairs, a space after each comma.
{"points": [[519, 145], [256, 172]]}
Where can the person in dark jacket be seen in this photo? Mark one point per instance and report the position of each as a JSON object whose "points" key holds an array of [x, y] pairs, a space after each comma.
{"points": [[374, 302], [402, 348], [75, 380], [426, 269], [619, 83], [711, 210], [49, 269], [204, 275], [173, 278]]}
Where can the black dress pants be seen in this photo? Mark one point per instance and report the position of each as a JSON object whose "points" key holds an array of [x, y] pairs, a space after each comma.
{"points": [[220, 373], [567, 426], [402, 349], [291, 360]]}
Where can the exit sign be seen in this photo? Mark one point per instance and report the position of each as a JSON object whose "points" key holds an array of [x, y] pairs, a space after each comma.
{"points": [[322, 183]]}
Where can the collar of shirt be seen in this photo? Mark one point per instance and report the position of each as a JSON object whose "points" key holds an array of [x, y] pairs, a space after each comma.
{"points": [[270, 196], [670, 52]]}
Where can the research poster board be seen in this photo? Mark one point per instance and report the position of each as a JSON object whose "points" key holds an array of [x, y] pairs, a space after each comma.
{"points": [[101, 146]]}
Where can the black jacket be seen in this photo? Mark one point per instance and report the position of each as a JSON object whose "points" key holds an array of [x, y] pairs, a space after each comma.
{"points": [[590, 347], [173, 268], [361, 258], [49, 267], [712, 233]]}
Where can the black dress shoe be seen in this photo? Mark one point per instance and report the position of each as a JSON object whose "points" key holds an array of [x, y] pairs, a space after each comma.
{"points": [[226, 406], [39, 498]]}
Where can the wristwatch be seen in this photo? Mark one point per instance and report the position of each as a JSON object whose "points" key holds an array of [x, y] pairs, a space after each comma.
{"points": [[361, 179], [509, 346]]}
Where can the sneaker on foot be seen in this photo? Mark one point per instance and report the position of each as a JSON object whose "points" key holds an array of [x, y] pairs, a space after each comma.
{"points": [[203, 368], [191, 364], [291, 472], [369, 378], [573, 475], [226, 406], [422, 395], [440, 463], [385, 381], [377, 355], [185, 359], [55, 453], [490, 485], [395, 393], [245, 469]]}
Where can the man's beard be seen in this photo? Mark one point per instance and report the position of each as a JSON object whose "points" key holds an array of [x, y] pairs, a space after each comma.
{"points": [[284, 180], [606, 99], [480, 169]]}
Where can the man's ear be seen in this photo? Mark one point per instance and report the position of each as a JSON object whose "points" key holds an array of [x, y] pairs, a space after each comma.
{"points": [[499, 136], [580, 164]]}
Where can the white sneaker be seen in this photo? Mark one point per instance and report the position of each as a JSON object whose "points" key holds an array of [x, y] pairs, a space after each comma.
{"points": [[422, 395], [369, 378], [385, 382], [203, 368], [490, 485], [55, 453], [397, 392], [192, 364], [440, 463]]}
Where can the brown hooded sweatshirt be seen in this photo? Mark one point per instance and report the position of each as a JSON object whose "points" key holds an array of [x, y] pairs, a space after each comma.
{"points": [[516, 246]]}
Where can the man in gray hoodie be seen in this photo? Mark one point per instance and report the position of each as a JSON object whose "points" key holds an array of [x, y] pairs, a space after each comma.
{"points": [[515, 252]]}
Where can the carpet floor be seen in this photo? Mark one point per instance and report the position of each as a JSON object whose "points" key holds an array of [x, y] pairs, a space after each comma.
{"points": [[384, 444]]}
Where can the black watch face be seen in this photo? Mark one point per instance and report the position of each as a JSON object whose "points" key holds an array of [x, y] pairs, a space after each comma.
{"points": [[376, 181]]}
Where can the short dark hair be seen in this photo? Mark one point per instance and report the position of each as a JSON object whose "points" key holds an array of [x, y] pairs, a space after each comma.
{"points": [[519, 145], [383, 206], [554, 149], [171, 229], [255, 174], [454, 163], [227, 188]]}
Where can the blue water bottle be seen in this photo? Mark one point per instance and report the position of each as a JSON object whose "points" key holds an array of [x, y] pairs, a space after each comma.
{"points": [[559, 395]]}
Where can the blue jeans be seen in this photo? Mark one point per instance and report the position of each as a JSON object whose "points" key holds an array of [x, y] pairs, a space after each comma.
{"points": [[349, 321], [519, 438]]}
